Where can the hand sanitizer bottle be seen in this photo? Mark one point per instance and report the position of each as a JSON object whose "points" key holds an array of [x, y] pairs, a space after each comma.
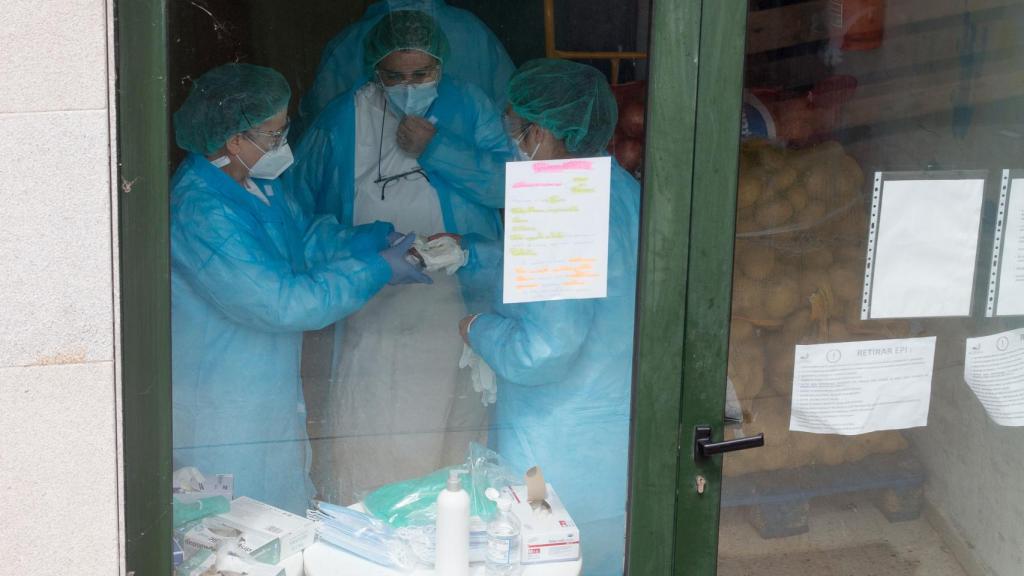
{"points": [[503, 542], [452, 551]]}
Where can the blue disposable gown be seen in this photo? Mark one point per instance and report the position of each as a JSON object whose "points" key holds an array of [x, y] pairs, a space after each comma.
{"points": [[564, 370], [477, 55], [469, 142], [247, 279]]}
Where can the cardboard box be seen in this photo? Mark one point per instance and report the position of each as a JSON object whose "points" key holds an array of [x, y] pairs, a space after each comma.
{"points": [[550, 537], [294, 533], [267, 534]]}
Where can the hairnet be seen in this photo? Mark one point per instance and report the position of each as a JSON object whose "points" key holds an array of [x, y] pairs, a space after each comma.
{"points": [[569, 99], [227, 100], [403, 30]]}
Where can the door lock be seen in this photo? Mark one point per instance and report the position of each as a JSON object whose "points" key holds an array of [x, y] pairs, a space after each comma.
{"points": [[703, 447]]}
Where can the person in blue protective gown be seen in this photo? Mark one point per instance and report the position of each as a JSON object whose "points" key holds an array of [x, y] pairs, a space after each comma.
{"points": [[477, 56], [250, 270], [564, 367], [387, 150]]}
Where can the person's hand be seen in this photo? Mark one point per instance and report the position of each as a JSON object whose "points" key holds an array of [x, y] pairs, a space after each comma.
{"points": [[394, 237], [402, 272], [464, 325], [456, 237], [414, 133]]}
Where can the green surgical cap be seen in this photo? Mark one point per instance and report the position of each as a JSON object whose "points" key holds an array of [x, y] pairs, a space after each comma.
{"points": [[403, 30], [225, 101], [569, 99]]}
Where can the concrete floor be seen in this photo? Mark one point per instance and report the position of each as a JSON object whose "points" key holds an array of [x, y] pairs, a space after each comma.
{"points": [[847, 537]]}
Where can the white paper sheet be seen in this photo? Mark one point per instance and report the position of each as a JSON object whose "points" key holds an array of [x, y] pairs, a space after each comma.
{"points": [[1010, 293], [556, 229], [858, 387], [994, 369], [925, 248]]}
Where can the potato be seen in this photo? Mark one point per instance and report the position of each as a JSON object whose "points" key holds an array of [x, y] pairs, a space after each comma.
{"points": [[797, 196], [798, 326], [755, 260], [782, 178], [745, 221], [746, 369], [851, 171], [782, 297], [851, 257], [837, 331], [749, 189], [817, 258], [846, 283], [813, 213], [773, 213], [740, 330], [819, 181], [747, 297], [811, 280]]}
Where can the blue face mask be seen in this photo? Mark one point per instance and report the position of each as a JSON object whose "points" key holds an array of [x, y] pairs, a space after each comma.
{"points": [[412, 99]]}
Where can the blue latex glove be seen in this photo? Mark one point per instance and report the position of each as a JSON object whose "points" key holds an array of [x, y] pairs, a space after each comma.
{"points": [[394, 237], [402, 272]]}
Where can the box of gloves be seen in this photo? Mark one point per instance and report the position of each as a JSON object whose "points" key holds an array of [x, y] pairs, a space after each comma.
{"points": [[548, 532], [265, 533]]}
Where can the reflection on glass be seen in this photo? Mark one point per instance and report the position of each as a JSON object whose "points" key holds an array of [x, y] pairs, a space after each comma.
{"points": [[924, 87], [418, 366]]}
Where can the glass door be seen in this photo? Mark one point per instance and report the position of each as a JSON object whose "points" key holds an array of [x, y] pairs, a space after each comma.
{"points": [[283, 346], [875, 334]]}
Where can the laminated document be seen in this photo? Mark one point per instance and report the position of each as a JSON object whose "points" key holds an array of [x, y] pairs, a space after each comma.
{"points": [[922, 248]]}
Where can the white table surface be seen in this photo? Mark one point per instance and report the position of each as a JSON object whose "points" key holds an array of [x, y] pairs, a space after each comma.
{"points": [[324, 560]]}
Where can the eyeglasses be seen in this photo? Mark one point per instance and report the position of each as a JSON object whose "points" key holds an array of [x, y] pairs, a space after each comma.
{"points": [[385, 180], [393, 77], [515, 128], [277, 138]]}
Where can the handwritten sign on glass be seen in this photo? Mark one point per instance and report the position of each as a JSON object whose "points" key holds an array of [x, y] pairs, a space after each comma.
{"points": [[556, 229]]}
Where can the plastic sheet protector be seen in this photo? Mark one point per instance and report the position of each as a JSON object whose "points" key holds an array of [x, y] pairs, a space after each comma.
{"points": [[1006, 286], [556, 229], [853, 388], [922, 248], [994, 369]]}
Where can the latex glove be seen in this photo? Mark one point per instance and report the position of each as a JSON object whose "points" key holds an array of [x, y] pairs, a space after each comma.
{"points": [[484, 380], [414, 134], [402, 272], [395, 237], [441, 253], [188, 479]]}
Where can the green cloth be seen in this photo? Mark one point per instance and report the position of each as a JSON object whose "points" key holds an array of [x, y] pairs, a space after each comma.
{"points": [[403, 30], [571, 100], [227, 100]]}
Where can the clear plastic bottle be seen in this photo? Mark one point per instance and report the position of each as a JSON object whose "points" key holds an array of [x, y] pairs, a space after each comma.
{"points": [[503, 542]]}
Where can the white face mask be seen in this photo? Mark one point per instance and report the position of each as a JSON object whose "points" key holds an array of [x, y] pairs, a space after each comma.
{"points": [[412, 99], [272, 164], [523, 156]]}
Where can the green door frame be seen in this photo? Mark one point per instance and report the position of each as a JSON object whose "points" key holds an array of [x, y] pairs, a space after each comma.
{"points": [[682, 297]]}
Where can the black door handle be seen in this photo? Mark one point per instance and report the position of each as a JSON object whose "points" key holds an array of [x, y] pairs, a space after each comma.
{"points": [[703, 447]]}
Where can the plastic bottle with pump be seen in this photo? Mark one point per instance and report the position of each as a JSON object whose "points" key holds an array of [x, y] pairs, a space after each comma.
{"points": [[503, 543], [452, 551]]}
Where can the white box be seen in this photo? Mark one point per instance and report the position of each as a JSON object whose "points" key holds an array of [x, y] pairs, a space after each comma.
{"points": [[252, 517], [550, 537]]}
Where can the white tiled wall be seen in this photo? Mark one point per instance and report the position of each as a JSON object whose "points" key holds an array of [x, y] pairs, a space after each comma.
{"points": [[58, 462]]}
